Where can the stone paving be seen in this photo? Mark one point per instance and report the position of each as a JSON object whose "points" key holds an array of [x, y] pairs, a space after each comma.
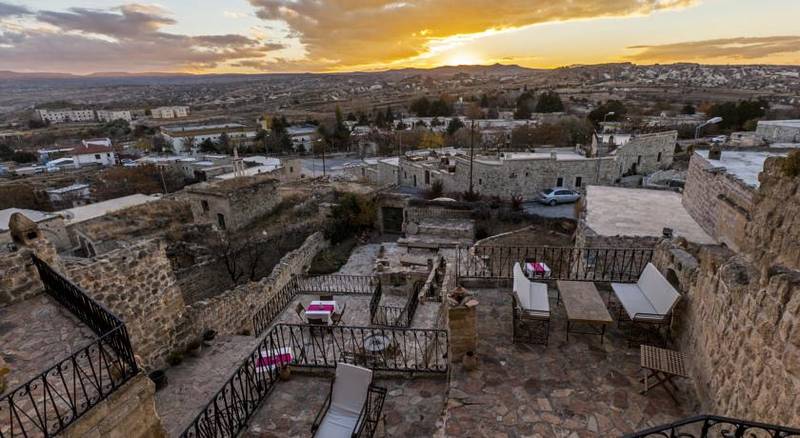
{"points": [[37, 333], [579, 388], [412, 408], [193, 382]]}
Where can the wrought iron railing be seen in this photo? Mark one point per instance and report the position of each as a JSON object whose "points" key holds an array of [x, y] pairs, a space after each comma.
{"points": [[394, 316], [713, 426], [337, 284], [382, 349], [321, 284], [274, 307], [371, 412], [51, 401], [623, 265]]}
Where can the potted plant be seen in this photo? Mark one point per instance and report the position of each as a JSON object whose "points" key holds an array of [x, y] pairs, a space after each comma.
{"points": [[159, 377], [285, 373], [470, 361], [193, 348]]}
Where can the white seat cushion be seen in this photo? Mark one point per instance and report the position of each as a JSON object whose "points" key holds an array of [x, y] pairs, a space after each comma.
{"points": [[632, 299], [337, 424], [350, 388], [531, 296], [657, 289]]}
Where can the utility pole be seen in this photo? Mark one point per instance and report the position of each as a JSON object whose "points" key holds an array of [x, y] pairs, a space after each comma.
{"points": [[471, 153]]}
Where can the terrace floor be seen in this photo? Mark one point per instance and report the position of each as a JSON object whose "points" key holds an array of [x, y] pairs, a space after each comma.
{"points": [[575, 388], [192, 382], [412, 409], [37, 333]]}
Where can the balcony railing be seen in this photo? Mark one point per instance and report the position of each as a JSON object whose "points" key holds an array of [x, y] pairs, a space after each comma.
{"points": [[623, 265], [48, 403], [314, 347], [321, 284], [337, 284], [712, 426]]}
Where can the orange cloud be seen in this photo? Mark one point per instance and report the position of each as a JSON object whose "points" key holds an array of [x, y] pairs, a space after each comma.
{"points": [[354, 33], [741, 48]]}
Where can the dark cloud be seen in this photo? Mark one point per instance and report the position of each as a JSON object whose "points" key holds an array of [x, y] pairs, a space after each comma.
{"points": [[9, 10], [358, 32], [127, 37], [743, 48]]}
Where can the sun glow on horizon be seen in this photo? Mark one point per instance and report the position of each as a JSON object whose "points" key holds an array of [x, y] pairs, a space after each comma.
{"points": [[463, 58]]}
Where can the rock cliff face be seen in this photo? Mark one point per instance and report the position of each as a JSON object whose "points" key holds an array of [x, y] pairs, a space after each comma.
{"points": [[773, 235], [739, 321]]}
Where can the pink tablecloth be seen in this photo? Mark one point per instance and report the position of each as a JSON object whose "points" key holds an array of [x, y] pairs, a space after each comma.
{"points": [[537, 269], [322, 307], [273, 359]]}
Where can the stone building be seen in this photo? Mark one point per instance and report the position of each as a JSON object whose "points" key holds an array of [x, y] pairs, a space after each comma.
{"points": [[779, 131], [528, 173], [234, 203], [719, 192]]}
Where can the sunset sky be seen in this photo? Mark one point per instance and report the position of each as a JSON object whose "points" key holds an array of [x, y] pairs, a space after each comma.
{"points": [[255, 36]]}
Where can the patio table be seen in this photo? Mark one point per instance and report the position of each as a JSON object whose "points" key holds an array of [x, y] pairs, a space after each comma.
{"points": [[327, 306], [584, 306], [537, 270], [271, 359]]}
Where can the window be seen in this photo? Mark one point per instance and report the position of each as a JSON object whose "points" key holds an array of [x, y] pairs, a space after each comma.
{"points": [[291, 169], [108, 155], [204, 204], [480, 181], [578, 181], [96, 156], [221, 220], [559, 181], [415, 180], [427, 177], [526, 174], [512, 175], [658, 158], [639, 160]]}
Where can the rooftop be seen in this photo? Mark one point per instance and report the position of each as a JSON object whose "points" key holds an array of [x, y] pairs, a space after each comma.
{"points": [[91, 211], [745, 165], [615, 211], [790, 123], [34, 215]]}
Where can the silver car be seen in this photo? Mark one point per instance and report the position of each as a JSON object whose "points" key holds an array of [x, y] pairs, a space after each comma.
{"points": [[558, 195]]}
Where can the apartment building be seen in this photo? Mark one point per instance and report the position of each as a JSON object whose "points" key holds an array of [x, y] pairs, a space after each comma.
{"points": [[66, 115], [111, 115], [169, 112]]}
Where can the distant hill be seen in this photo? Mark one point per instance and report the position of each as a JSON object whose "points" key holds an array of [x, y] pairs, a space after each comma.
{"points": [[449, 70]]}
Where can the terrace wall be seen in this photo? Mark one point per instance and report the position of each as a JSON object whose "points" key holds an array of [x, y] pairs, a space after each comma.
{"points": [[130, 412], [739, 320], [231, 312], [136, 284]]}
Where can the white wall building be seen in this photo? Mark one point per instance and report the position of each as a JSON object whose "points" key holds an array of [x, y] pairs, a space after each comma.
{"points": [[93, 154], [169, 112], [111, 115], [179, 136], [303, 137], [66, 115]]}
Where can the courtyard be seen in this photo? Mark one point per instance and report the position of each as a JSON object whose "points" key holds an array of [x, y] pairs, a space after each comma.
{"points": [[570, 388]]}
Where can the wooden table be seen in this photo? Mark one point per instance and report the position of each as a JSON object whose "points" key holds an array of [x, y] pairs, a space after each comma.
{"points": [[584, 306], [664, 365]]}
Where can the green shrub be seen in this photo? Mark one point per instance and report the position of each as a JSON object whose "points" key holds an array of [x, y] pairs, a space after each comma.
{"points": [[791, 164], [351, 215]]}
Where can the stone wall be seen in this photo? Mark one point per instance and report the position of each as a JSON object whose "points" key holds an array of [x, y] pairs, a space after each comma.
{"points": [[136, 284], [774, 132], [773, 235], [129, 412], [19, 279], [231, 312], [717, 201], [740, 329], [646, 153], [739, 319]]}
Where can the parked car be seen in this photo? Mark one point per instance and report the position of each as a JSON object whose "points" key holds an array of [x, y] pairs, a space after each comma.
{"points": [[558, 195]]}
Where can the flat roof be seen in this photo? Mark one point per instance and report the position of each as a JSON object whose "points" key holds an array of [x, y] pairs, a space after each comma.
{"points": [[617, 211], [34, 215], [91, 211], [68, 188], [744, 165], [791, 123]]}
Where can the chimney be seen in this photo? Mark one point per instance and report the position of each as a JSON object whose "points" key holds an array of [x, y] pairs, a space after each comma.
{"points": [[715, 153]]}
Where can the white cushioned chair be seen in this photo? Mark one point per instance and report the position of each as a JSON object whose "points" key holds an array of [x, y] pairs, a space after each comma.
{"points": [[352, 406]]}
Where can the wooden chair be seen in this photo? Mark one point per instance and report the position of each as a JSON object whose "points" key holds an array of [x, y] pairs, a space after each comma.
{"points": [[337, 317], [299, 310]]}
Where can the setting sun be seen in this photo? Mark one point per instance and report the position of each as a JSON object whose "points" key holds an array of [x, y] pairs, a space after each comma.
{"points": [[463, 59]]}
